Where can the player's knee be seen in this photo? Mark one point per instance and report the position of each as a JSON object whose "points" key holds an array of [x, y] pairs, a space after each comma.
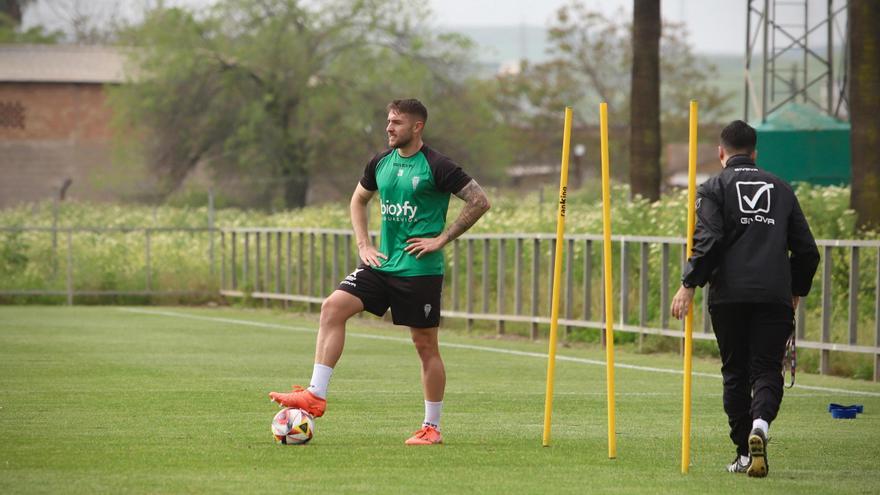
{"points": [[332, 311], [427, 348]]}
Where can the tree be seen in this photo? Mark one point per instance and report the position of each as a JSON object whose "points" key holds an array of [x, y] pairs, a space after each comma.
{"points": [[864, 107], [644, 170], [590, 62], [14, 9], [11, 12], [279, 90]]}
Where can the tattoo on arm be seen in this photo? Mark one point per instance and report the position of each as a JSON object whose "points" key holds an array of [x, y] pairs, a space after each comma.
{"points": [[476, 203]]}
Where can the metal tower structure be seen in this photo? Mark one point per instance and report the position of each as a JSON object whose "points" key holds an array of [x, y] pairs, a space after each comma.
{"points": [[792, 70]]}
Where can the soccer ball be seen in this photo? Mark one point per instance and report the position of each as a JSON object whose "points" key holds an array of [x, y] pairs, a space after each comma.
{"points": [[293, 426]]}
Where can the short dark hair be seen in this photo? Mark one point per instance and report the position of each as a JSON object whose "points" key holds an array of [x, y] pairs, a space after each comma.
{"points": [[739, 137], [411, 106]]}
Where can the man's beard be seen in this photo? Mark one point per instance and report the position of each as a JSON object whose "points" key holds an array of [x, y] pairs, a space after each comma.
{"points": [[402, 142]]}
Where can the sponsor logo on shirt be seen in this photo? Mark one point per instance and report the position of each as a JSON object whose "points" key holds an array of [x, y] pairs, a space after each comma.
{"points": [[399, 212]]}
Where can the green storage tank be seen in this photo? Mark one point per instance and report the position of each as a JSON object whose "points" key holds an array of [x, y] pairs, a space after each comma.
{"points": [[799, 143]]}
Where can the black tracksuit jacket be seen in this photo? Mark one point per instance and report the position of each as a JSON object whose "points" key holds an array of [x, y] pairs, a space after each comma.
{"points": [[752, 243]]}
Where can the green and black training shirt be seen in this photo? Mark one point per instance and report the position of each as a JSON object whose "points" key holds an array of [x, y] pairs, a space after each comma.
{"points": [[414, 197]]}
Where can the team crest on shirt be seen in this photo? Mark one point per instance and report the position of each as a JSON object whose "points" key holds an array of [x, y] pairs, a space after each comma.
{"points": [[415, 182]]}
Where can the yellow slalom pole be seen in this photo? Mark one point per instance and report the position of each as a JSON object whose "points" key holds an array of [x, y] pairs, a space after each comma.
{"points": [[609, 300], [689, 319], [557, 275]]}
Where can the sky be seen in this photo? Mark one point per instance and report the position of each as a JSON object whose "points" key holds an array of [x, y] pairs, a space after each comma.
{"points": [[715, 26]]}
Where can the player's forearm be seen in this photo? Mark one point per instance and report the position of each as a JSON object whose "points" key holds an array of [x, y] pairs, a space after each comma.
{"points": [[359, 222], [476, 204]]}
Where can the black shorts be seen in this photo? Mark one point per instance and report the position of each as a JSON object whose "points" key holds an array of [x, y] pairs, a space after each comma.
{"points": [[414, 301]]}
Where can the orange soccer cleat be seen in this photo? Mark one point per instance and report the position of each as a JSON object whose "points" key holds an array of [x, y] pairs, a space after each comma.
{"points": [[428, 435], [301, 398]]}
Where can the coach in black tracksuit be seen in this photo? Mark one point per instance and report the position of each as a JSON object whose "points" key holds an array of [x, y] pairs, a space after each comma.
{"points": [[753, 246]]}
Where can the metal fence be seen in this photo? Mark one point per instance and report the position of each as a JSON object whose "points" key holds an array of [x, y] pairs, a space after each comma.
{"points": [[67, 261], [502, 280], [507, 279]]}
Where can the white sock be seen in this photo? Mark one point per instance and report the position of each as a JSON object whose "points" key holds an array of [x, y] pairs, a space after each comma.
{"points": [[761, 425], [432, 413], [320, 380], [744, 459]]}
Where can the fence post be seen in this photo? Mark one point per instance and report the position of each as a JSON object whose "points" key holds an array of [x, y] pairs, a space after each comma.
{"points": [[455, 268], [517, 275], [536, 266], [54, 236], [312, 264], [664, 285], [246, 255], [211, 228], [569, 285], [347, 267], [624, 280], [502, 248], [300, 285], [588, 279], [801, 319], [258, 261], [288, 264], [334, 274], [877, 320], [485, 276], [825, 354], [222, 260], [323, 265], [147, 260], [854, 295], [234, 265], [469, 300], [267, 279], [278, 262], [643, 290], [70, 268]]}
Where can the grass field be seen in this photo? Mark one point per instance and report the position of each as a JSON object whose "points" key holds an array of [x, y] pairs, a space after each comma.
{"points": [[170, 400]]}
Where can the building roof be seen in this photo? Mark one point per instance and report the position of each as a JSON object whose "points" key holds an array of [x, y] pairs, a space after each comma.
{"points": [[61, 64], [800, 117]]}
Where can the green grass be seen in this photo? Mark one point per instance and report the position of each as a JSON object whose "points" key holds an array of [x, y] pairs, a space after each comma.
{"points": [[101, 400]]}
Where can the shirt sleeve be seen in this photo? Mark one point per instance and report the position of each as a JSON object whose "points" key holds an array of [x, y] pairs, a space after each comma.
{"points": [[369, 178], [708, 239], [804, 257], [448, 176]]}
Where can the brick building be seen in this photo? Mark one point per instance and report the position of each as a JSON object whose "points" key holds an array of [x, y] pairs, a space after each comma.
{"points": [[55, 121]]}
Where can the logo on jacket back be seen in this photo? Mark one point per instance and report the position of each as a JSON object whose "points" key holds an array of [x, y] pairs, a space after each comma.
{"points": [[754, 197]]}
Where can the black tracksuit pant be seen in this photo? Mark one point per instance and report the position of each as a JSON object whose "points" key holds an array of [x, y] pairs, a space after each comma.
{"points": [[751, 338]]}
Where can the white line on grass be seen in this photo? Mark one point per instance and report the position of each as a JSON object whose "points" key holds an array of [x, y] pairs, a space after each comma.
{"points": [[512, 352]]}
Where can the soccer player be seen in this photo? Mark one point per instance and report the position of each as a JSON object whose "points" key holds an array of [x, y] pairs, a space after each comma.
{"points": [[406, 272], [753, 246]]}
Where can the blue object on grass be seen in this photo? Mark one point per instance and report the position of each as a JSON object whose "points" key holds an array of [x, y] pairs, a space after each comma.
{"points": [[839, 411]]}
